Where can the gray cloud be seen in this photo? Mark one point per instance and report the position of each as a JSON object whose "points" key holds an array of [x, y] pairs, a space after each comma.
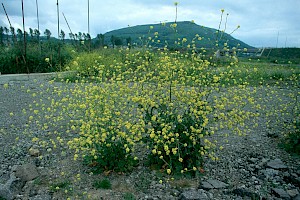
{"points": [[260, 21]]}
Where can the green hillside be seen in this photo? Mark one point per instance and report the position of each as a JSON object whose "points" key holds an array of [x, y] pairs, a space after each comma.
{"points": [[140, 34]]}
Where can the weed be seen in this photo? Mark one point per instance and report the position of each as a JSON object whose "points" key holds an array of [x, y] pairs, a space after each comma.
{"points": [[54, 187], [103, 184], [291, 142], [129, 196]]}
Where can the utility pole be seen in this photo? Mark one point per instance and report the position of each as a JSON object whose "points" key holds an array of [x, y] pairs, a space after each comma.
{"points": [[38, 21], [24, 32], [57, 19], [89, 26], [59, 56]]}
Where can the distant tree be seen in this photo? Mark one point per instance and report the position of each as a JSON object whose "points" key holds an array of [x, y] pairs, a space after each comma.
{"points": [[113, 40], [6, 30], [47, 33], [19, 35], [88, 37], [13, 33], [118, 41], [128, 41], [71, 36], [31, 32], [12, 30], [79, 36], [37, 34], [100, 38], [62, 35], [1, 35]]}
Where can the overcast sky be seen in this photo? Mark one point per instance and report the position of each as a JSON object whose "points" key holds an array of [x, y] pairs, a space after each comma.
{"points": [[264, 23]]}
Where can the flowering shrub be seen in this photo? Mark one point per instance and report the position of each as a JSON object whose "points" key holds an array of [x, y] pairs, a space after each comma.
{"points": [[128, 106]]}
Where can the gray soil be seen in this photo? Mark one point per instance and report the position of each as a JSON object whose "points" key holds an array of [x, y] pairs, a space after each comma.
{"points": [[249, 167]]}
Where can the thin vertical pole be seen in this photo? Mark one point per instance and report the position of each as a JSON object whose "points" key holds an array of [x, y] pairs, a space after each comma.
{"points": [[89, 25], [38, 21], [67, 23], [24, 29], [37, 14], [9, 21], [89, 16], [59, 57], [57, 19], [6, 15]]}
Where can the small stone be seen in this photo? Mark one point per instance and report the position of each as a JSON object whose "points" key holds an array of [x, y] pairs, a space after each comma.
{"points": [[34, 152], [278, 192], [205, 185], [253, 160], [262, 162], [217, 184], [276, 164], [242, 192], [270, 172], [27, 172], [293, 192]]}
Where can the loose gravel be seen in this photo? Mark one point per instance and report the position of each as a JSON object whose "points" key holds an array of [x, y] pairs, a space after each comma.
{"points": [[245, 169]]}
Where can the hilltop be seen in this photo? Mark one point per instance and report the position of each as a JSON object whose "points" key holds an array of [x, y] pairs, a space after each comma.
{"points": [[167, 34]]}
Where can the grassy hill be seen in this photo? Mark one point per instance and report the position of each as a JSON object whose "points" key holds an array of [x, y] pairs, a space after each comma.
{"points": [[140, 34]]}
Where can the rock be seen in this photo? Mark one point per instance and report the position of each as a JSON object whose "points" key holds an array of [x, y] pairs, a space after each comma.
{"points": [[11, 188], [262, 162], [243, 192], [293, 192], [27, 172], [205, 185], [193, 195], [6, 193], [269, 172], [276, 164], [253, 160], [34, 152], [217, 184], [278, 192], [292, 180], [297, 197]]}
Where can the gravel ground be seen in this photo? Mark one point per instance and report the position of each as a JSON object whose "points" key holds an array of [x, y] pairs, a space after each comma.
{"points": [[250, 167]]}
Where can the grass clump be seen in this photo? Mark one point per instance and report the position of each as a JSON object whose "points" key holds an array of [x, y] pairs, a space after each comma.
{"points": [[102, 184], [291, 141], [129, 196]]}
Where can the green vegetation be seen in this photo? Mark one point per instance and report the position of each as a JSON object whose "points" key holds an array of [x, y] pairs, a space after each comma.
{"points": [[129, 196], [61, 186], [282, 55], [103, 184]]}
